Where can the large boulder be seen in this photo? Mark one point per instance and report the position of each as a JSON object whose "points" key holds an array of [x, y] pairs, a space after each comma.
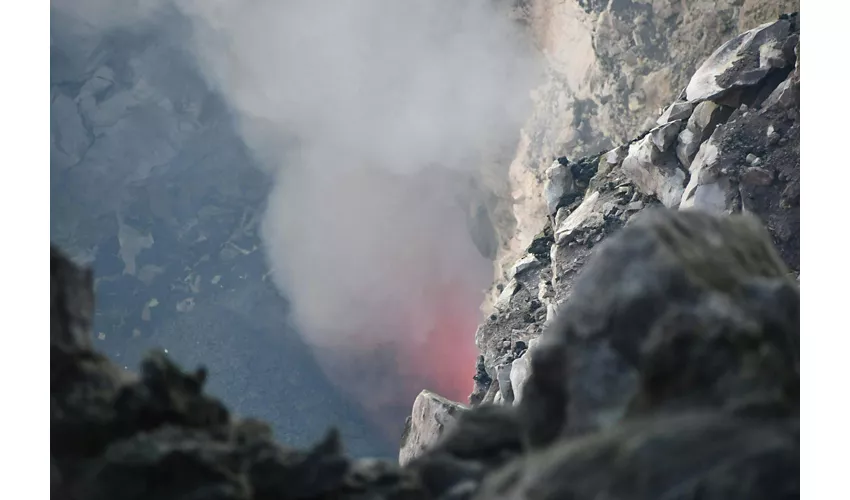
{"points": [[432, 415], [678, 310], [705, 456], [743, 61]]}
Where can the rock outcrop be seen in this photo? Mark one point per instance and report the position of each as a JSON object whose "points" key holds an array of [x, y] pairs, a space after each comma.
{"points": [[431, 417], [612, 66], [157, 435], [732, 146], [679, 380]]}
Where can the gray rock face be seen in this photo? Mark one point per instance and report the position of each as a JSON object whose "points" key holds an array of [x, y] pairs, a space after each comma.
{"points": [[766, 454], [558, 183], [679, 110], [521, 370], [701, 124], [741, 62], [431, 417], [715, 144], [686, 371], [655, 172], [728, 280], [664, 136]]}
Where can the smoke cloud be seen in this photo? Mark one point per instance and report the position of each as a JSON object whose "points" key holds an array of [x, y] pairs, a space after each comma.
{"points": [[372, 117]]}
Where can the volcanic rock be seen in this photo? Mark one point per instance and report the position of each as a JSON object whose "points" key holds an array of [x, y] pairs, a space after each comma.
{"points": [[432, 415], [741, 62], [114, 435], [655, 172]]}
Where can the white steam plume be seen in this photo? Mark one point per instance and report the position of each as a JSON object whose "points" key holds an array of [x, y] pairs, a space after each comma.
{"points": [[370, 114]]}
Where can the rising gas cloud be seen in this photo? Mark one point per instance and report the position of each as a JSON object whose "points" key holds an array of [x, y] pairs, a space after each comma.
{"points": [[371, 115]]}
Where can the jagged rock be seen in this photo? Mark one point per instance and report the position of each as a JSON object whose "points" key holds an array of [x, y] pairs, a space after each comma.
{"points": [[586, 215], [756, 176], [521, 370], [664, 136], [503, 375], [527, 262], [702, 284], [705, 118], [595, 65], [709, 188], [482, 382], [679, 110], [558, 184], [748, 460], [655, 172], [616, 155], [114, 435], [504, 299], [431, 416], [482, 440], [742, 61]]}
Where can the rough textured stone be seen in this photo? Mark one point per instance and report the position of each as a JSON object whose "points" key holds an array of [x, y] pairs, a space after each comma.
{"points": [[749, 460], [559, 183], [584, 216], [521, 370], [595, 64], [713, 287], [705, 118], [664, 136], [679, 110], [655, 172], [742, 61], [432, 415], [157, 435]]}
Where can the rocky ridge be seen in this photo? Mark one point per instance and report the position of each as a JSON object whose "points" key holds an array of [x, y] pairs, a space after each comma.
{"points": [[693, 391], [612, 66], [729, 144]]}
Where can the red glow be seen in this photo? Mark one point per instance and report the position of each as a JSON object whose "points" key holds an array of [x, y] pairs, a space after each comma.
{"points": [[384, 376], [444, 362]]}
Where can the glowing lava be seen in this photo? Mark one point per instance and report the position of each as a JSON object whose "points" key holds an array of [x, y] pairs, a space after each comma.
{"points": [[435, 352]]}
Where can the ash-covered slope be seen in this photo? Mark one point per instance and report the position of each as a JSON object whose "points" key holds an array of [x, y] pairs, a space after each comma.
{"points": [[153, 187], [730, 144], [706, 313]]}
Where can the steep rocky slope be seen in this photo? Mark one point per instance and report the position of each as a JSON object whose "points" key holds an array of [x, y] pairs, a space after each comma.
{"points": [[707, 317], [612, 66], [730, 144]]}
